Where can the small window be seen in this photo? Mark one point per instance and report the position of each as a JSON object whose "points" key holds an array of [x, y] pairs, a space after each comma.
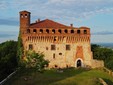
{"points": [[34, 30], [47, 31], [54, 56], [28, 30], [25, 15], [53, 31], [30, 46], [56, 66], [21, 15], [67, 47], [85, 31], [41, 31], [72, 31], [67, 66], [46, 48], [66, 31], [59, 31], [55, 38], [78, 31], [53, 47], [60, 53]]}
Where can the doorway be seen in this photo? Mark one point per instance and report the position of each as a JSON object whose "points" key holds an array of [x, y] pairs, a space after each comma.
{"points": [[79, 64]]}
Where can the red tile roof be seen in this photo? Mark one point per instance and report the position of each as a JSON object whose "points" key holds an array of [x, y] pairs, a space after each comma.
{"points": [[48, 24]]}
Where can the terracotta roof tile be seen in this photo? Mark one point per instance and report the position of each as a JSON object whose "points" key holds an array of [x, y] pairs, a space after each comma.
{"points": [[48, 24]]}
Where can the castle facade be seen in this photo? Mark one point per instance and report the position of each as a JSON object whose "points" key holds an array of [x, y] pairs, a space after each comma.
{"points": [[63, 46]]}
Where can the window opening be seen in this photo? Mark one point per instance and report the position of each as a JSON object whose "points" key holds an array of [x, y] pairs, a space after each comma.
{"points": [[53, 47], [85, 31], [30, 46], [59, 31], [41, 31], [78, 31], [67, 47], [72, 31], [53, 31], [66, 31], [34, 30]]}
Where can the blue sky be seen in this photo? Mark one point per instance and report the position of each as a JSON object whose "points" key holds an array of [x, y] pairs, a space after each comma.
{"points": [[95, 14]]}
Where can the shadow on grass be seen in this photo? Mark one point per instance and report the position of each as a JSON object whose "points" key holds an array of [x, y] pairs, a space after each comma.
{"points": [[109, 82], [32, 77]]}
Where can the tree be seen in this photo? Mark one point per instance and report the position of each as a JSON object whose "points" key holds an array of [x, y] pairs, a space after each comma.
{"points": [[35, 60], [20, 52], [8, 59]]}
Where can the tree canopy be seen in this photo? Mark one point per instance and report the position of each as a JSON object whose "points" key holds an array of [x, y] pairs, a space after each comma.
{"points": [[8, 59]]}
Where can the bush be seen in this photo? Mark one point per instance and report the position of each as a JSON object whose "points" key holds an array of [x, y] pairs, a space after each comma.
{"points": [[35, 60]]}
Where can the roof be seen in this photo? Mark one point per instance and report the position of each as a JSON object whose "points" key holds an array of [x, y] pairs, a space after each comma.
{"points": [[24, 11], [48, 24]]}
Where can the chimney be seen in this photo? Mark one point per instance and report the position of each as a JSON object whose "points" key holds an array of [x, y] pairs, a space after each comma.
{"points": [[37, 20], [71, 25]]}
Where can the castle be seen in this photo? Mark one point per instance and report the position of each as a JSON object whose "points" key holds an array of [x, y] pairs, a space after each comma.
{"points": [[64, 46]]}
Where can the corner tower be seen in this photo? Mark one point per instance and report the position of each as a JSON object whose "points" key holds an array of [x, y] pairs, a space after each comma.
{"points": [[24, 21]]}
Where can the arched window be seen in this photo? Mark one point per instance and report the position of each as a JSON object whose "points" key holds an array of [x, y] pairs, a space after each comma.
{"points": [[25, 15], [85, 31], [66, 31], [78, 31], [72, 31], [28, 30], [47, 31], [59, 31], [53, 31], [34, 30], [21, 15], [41, 31]]}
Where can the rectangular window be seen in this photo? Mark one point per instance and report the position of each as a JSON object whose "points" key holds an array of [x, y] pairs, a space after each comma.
{"points": [[67, 47], [46, 48], [54, 56], [53, 47]]}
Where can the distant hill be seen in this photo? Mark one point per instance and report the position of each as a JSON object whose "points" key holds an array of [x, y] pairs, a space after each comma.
{"points": [[108, 45]]}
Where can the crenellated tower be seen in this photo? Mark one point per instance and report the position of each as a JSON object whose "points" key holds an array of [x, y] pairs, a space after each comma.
{"points": [[24, 21]]}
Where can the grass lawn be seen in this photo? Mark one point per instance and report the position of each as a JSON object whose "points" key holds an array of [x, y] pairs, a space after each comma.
{"points": [[53, 77]]}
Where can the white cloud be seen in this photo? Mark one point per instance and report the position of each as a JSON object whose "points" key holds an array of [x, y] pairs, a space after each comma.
{"points": [[56, 9], [64, 11]]}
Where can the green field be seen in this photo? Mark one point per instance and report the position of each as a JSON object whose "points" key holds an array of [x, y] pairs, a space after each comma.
{"points": [[54, 77]]}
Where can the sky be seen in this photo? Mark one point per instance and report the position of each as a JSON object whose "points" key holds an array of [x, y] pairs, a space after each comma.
{"points": [[95, 14]]}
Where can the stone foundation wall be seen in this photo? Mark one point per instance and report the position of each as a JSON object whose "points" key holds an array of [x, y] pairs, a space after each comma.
{"points": [[97, 63]]}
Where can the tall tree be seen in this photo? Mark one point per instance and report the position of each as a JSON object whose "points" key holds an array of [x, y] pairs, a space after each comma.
{"points": [[8, 59]]}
